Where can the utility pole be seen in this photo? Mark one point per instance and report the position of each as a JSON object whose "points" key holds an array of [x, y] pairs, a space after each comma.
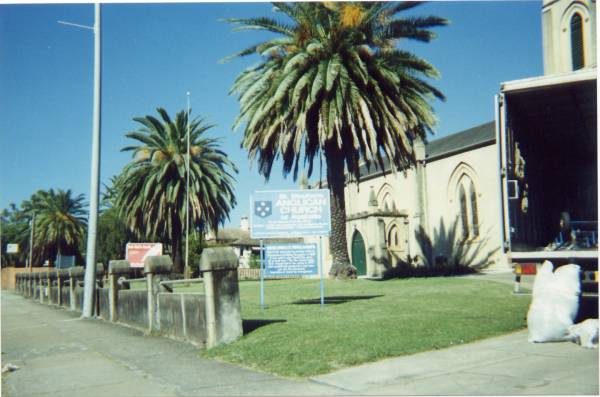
{"points": [[90, 263], [187, 194], [31, 241]]}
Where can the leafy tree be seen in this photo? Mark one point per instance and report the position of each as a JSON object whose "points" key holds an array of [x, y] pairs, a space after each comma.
{"points": [[15, 230], [112, 235], [151, 190], [334, 84], [196, 245]]}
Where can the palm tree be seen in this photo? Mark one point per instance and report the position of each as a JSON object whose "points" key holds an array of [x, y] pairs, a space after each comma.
{"points": [[334, 84], [151, 190], [59, 222]]}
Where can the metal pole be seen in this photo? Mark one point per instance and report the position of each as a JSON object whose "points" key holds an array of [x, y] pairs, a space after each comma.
{"points": [[321, 262], [90, 263], [262, 277], [187, 194], [31, 241]]}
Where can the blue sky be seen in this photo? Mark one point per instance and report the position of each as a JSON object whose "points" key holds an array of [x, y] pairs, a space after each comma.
{"points": [[154, 53]]}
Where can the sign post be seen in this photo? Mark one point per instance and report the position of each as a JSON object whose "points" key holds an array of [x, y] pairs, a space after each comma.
{"points": [[262, 275], [321, 271], [288, 214]]}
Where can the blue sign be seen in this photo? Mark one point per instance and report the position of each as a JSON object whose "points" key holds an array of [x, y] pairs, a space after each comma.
{"points": [[291, 259], [290, 213]]}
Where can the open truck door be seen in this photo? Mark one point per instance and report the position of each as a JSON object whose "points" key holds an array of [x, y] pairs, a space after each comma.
{"points": [[546, 133]]}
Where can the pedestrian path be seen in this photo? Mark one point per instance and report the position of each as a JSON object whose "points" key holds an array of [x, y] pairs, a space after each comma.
{"points": [[59, 354], [506, 365]]}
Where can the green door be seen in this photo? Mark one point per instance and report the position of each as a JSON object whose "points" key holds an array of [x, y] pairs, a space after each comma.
{"points": [[359, 259]]}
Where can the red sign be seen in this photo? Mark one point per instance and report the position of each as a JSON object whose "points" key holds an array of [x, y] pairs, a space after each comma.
{"points": [[135, 253]]}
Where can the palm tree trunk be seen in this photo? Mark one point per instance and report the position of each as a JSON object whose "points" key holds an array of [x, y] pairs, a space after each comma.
{"points": [[176, 246], [341, 267]]}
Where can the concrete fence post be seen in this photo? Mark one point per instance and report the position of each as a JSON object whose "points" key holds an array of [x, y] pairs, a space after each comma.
{"points": [[46, 287], [51, 275], [75, 273], [40, 289], [223, 311], [99, 284], [32, 286], [61, 275], [29, 285], [116, 268], [156, 269], [40, 286]]}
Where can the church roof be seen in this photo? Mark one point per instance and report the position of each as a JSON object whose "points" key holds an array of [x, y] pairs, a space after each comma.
{"points": [[472, 138]]}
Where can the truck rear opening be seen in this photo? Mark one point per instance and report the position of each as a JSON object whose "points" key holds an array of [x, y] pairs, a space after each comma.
{"points": [[547, 130], [551, 167]]}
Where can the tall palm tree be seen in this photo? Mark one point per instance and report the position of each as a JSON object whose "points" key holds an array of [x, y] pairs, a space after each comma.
{"points": [[59, 222], [151, 190], [334, 84]]}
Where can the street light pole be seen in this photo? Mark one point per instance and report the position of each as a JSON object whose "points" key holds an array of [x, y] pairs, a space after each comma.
{"points": [[31, 241], [187, 194], [90, 263]]}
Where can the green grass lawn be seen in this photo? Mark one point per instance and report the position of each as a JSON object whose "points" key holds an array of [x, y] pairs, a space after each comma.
{"points": [[365, 321]]}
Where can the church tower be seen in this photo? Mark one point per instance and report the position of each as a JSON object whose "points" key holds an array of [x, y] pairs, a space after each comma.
{"points": [[569, 35]]}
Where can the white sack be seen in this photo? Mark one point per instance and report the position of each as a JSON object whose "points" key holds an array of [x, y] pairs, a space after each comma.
{"points": [[555, 303], [585, 333]]}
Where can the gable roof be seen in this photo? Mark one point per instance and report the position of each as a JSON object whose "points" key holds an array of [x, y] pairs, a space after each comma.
{"points": [[472, 138]]}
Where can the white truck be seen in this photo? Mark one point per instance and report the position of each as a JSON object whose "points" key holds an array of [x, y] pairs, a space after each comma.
{"points": [[546, 130]]}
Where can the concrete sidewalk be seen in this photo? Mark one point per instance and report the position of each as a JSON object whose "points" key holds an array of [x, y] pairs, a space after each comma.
{"points": [[59, 354], [62, 355], [506, 365]]}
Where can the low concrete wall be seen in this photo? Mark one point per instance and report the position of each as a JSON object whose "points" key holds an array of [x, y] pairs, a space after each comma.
{"points": [[182, 317], [79, 298], [203, 319], [103, 304], [54, 295], [132, 309], [66, 297]]}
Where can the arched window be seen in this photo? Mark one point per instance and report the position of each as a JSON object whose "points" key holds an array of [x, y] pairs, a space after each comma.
{"points": [[464, 217], [577, 55], [467, 208], [393, 237], [387, 202], [474, 215]]}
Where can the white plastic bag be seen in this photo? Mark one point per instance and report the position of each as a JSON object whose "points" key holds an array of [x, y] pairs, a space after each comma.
{"points": [[555, 303], [585, 333]]}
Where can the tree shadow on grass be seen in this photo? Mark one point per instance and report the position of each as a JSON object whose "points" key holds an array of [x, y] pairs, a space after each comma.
{"points": [[253, 324], [335, 300]]}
